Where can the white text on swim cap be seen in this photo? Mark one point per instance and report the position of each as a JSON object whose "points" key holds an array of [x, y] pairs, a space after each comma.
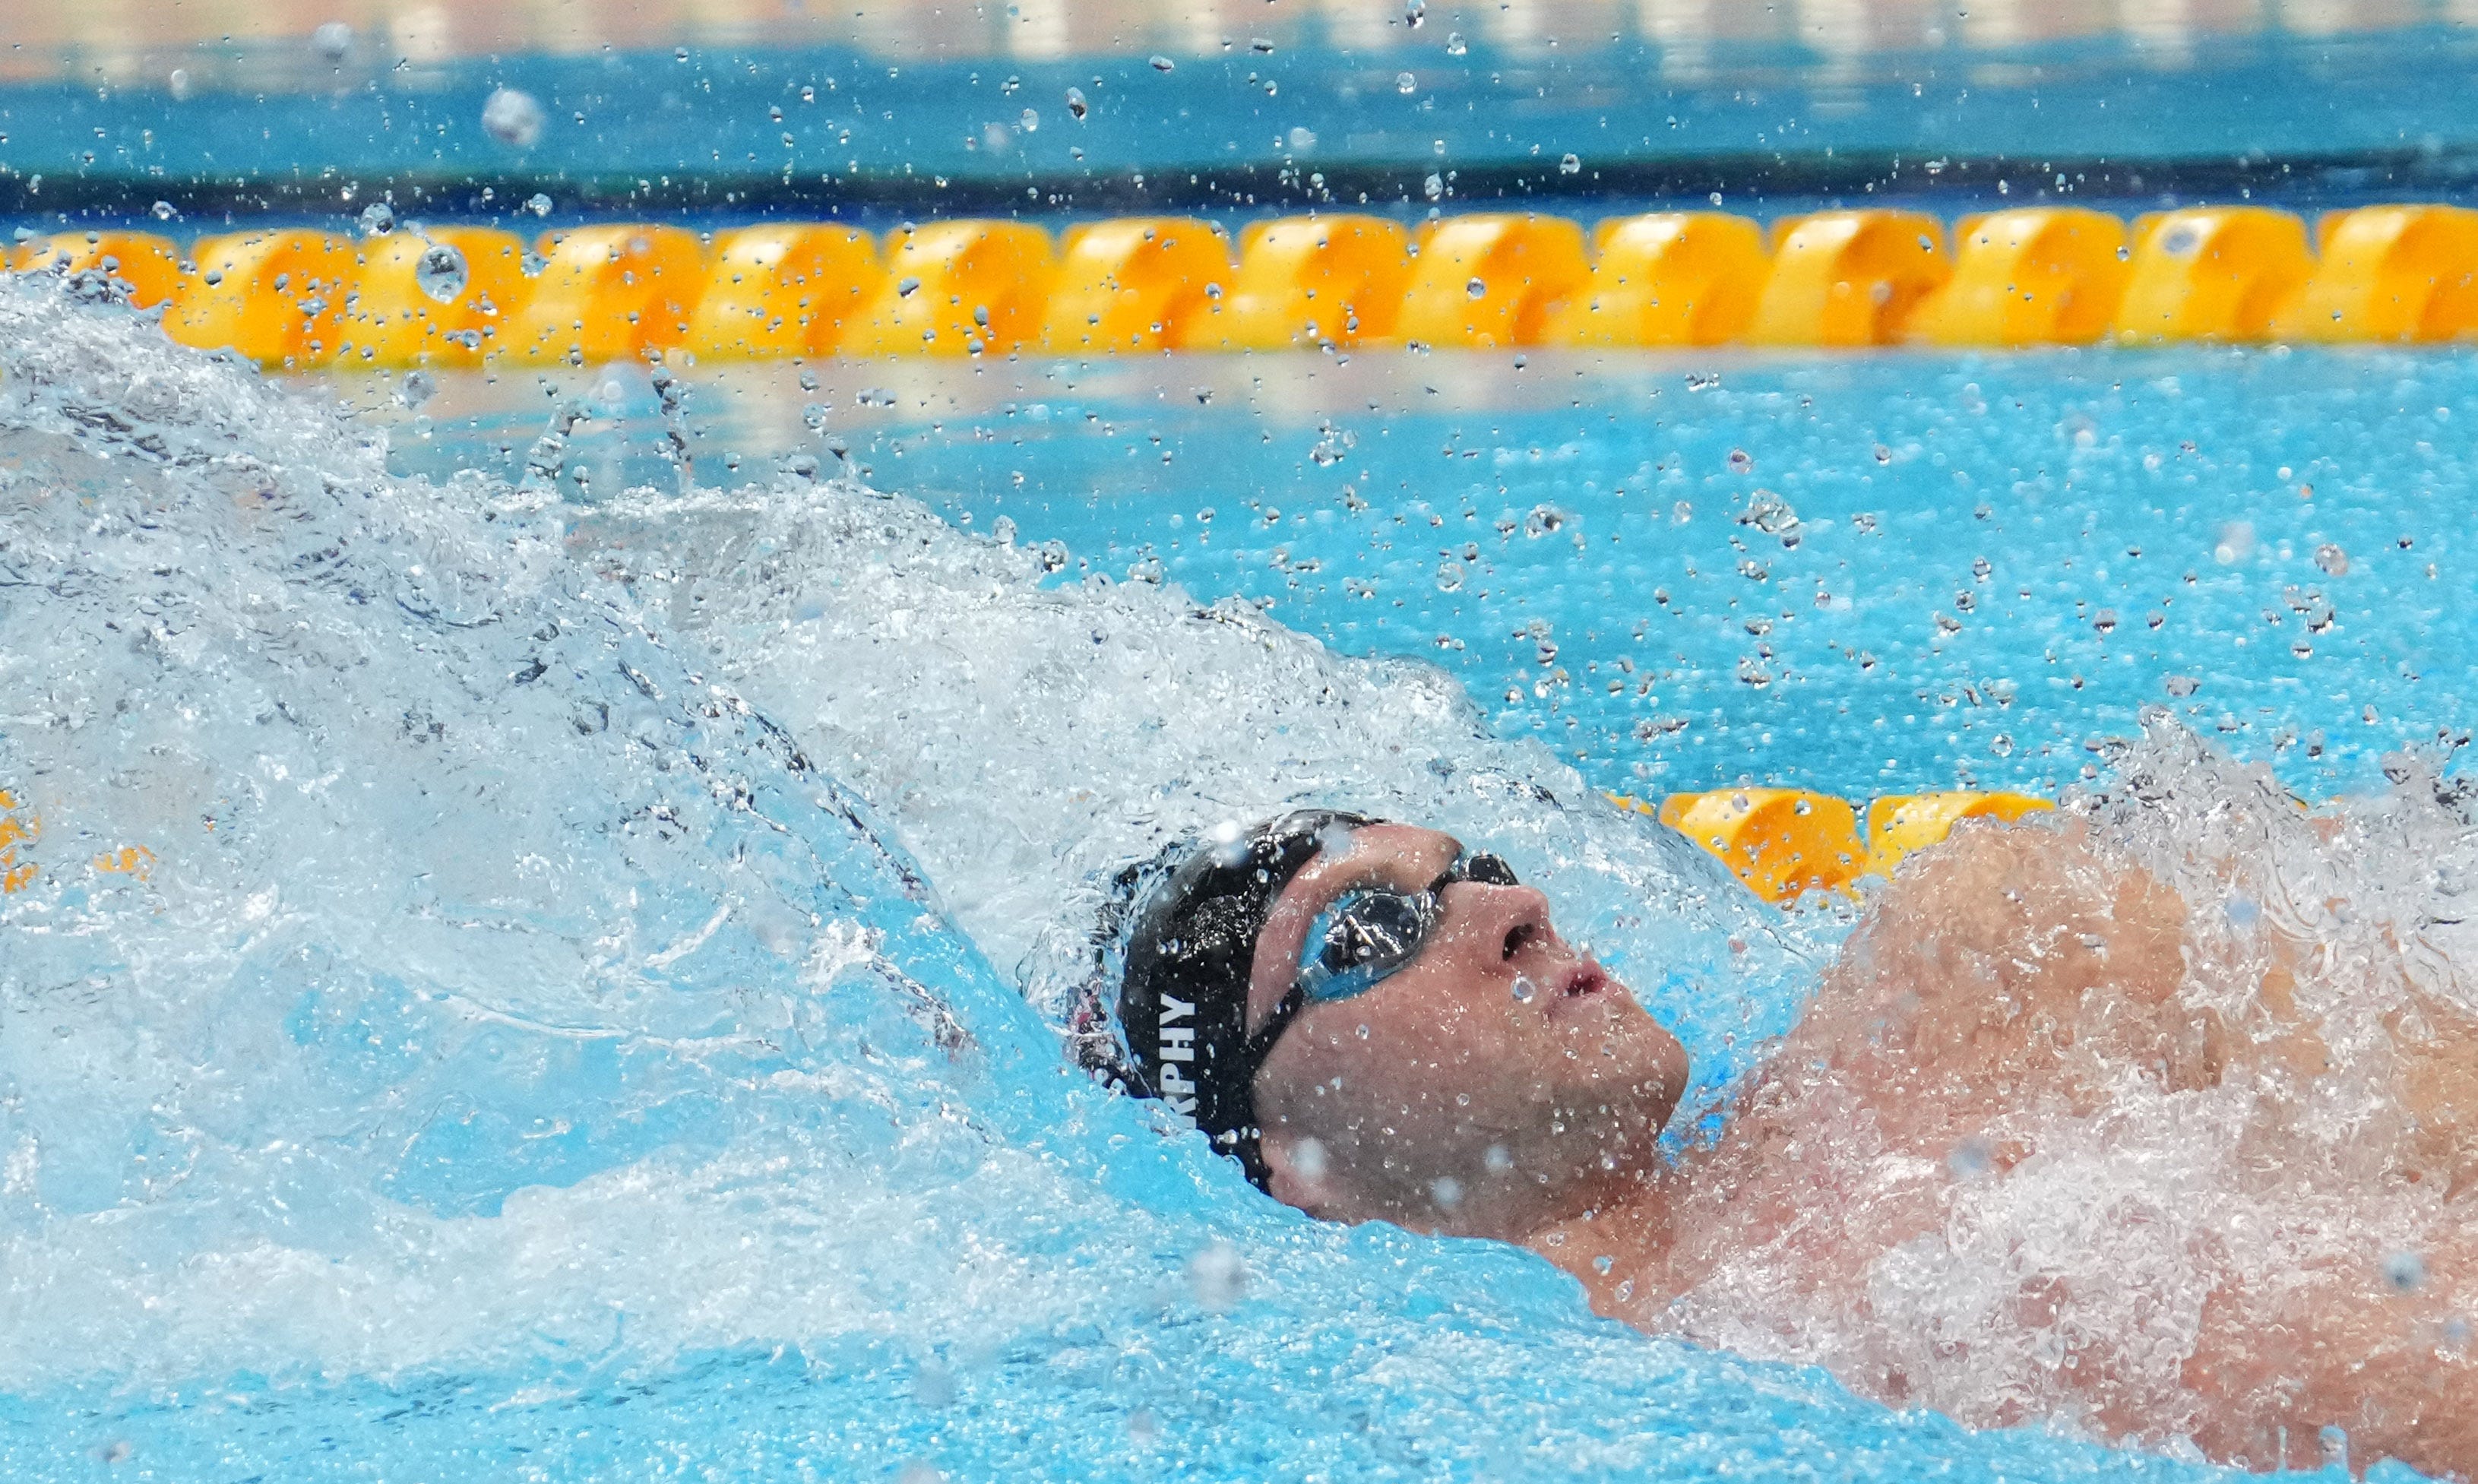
{"points": [[1177, 1044]]}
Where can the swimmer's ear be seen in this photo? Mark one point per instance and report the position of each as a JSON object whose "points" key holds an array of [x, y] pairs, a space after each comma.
{"points": [[1298, 1171]]}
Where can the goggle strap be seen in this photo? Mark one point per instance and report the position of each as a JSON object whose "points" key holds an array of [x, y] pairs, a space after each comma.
{"points": [[1261, 1045]]}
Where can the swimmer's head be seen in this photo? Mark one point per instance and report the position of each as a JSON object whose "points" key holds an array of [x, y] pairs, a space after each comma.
{"points": [[1378, 1023]]}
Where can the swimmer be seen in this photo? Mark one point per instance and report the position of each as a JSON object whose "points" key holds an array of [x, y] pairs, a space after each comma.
{"points": [[1380, 1024]]}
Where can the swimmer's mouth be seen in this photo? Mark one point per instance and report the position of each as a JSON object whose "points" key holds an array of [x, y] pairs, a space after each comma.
{"points": [[1585, 981]]}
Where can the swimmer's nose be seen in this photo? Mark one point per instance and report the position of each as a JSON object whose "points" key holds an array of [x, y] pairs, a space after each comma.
{"points": [[1510, 920]]}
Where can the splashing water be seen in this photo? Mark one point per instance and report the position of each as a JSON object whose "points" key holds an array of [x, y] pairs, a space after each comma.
{"points": [[492, 961], [441, 272]]}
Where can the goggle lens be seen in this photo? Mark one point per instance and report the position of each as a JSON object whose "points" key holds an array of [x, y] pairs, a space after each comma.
{"points": [[1367, 935]]}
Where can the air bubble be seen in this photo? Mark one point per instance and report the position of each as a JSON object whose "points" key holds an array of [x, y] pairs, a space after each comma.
{"points": [[1405, 83], [378, 218], [1077, 107], [1571, 164], [1477, 288]]}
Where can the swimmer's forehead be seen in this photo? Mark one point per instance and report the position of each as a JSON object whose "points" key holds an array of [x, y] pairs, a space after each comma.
{"points": [[1394, 855]]}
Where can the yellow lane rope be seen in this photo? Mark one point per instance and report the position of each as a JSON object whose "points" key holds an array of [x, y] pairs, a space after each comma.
{"points": [[1844, 280]]}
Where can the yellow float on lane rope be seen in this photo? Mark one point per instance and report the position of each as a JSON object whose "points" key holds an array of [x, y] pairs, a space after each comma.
{"points": [[606, 293], [1311, 281], [1669, 278], [1899, 823], [1785, 841], [2390, 273], [783, 289], [1780, 841], [2211, 273], [1491, 278], [2045, 275], [957, 288], [393, 318], [150, 265], [1136, 284], [1843, 279], [276, 296]]}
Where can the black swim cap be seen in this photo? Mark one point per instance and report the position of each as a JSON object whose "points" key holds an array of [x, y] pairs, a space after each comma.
{"points": [[1183, 1002]]}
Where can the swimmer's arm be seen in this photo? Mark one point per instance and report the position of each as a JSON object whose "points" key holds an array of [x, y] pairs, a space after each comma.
{"points": [[2380, 1349], [2009, 953]]}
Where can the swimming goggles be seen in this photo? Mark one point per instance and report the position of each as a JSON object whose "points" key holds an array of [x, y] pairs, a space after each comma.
{"points": [[1366, 937]]}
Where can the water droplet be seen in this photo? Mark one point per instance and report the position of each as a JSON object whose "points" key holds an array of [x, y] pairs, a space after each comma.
{"points": [[1415, 12], [1405, 83], [378, 218], [1497, 1161], [1447, 1192], [2181, 686], [1434, 185], [179, 83], [1571, 164], [2332, 560], [1218, 1276], [1450, 576], [1456, 46], [416, 388], [2404, 1271], [1028, 120], [2105, 620], [164, 210], [333, 40], [512, 117], [679, 54], [907, 288], [2124, 253], [1164, 65], [1740, 462], [1525, 990], [1077, 107], [1477, 288]]}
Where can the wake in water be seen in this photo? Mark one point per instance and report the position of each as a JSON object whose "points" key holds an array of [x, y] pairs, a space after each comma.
{"points": [[560, 941]]}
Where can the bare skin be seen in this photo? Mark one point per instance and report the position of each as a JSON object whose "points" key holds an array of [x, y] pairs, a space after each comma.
{"points": [[2008, 969]]}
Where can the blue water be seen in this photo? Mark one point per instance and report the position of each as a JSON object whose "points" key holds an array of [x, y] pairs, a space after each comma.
{"points": [[2263, 524], [528, 1059]]}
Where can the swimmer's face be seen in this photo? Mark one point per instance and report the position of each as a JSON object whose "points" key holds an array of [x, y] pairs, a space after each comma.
{"points": [[1500, 1081]]}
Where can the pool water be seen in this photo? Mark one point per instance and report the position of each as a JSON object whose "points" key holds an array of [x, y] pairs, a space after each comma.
{"points": [[1865, 575]]}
